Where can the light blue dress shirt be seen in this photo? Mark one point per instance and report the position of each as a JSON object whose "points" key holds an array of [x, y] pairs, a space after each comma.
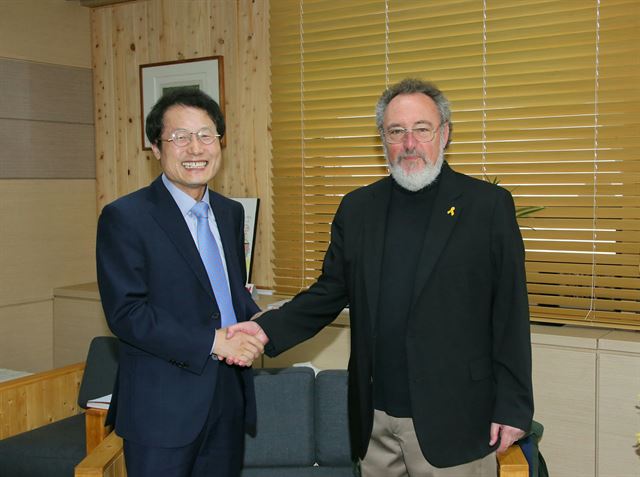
{"points": [[185, 204]]}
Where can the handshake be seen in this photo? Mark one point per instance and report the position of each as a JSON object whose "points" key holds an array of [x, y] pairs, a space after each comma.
{"points": [[240, 344]]}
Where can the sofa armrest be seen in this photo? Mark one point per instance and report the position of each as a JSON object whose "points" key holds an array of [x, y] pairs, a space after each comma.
{"points": [[107, 459], [32, 401], [512, 463], [95, 429]]}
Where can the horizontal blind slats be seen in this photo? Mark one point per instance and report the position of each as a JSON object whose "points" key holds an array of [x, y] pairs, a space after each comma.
{"points": [[541, 136]]}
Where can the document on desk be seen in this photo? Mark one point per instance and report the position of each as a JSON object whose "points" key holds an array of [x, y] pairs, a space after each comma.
{"points": [[100, 403]]}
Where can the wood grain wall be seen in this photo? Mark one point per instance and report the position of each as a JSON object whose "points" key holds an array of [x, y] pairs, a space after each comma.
{"points": [[124, 36]]}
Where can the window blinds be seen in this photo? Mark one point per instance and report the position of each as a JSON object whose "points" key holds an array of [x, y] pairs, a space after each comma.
{"points": [[546, 100]]}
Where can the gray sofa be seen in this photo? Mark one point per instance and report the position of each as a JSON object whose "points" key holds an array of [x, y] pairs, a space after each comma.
{"points": [[302, 427], [301, 430]]}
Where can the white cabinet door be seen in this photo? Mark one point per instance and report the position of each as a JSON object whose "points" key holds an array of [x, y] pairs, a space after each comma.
{"points": [[619, 419], [564, 381]]}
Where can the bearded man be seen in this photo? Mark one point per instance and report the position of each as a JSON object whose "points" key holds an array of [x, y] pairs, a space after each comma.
{"points": [[431, 265]]}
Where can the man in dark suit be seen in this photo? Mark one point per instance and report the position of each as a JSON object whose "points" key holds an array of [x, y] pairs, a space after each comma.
{"points": [[171, 273], [431, 265]]}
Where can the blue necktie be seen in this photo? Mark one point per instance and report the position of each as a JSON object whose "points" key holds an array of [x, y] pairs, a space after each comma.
{"points": [[212, 261]]}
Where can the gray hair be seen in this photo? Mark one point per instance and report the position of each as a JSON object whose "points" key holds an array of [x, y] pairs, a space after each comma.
{"points": [[411, 86]]}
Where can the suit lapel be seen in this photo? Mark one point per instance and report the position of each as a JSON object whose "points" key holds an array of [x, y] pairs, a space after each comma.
{"points": [[446, 213], [375, 224], [168, 216]]}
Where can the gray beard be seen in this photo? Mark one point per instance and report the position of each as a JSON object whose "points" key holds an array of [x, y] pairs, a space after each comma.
{"points": [[415, 181]]}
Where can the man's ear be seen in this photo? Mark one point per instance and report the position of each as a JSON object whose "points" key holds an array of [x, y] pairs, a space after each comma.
{"points": [[445, 134], [156, 151]]}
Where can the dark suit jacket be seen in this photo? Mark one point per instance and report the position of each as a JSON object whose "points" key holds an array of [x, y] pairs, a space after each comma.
{"points": [[158, 300], [468, 343]]}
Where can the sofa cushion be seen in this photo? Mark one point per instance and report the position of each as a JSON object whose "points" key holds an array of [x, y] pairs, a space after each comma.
{"points": [[285, 427], [332, 423], [52, 450]]}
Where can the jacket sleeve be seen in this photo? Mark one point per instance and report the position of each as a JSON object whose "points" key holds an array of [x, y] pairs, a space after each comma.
{"points": [[510, 319], [132, 314], [311, 310]]}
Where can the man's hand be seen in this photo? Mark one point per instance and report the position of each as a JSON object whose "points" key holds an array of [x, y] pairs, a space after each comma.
{"points": [[508, 435], [249, 327], [240, 349]]}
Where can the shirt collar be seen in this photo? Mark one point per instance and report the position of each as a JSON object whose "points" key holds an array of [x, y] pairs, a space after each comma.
{"points": [[184, 201]]}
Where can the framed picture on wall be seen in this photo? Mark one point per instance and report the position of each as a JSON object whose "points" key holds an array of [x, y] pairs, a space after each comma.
{"points": [[250, 205], [156, 79]]}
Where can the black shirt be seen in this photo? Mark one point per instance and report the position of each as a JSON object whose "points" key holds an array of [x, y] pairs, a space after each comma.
{"points": [[407, 220]]}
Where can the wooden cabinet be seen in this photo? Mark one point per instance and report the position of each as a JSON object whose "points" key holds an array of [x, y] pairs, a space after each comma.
{"points": [[329, 349], [564, 383], [618, 391], [586, 386]]}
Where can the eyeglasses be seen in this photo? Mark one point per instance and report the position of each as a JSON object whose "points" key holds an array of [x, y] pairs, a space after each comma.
{"points": [[396, 135], [182, 137]]}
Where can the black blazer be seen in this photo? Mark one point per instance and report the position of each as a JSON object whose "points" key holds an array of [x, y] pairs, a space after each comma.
{"points": [[468, 343], [158, 300]]}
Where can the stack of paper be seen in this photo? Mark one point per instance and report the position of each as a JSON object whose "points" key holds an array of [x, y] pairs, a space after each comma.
{"points": [[100, 403]]}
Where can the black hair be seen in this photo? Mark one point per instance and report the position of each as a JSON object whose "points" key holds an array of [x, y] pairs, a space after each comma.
{"points": [[190, 97]]}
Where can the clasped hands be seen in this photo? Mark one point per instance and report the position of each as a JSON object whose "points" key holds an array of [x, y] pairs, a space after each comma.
{"points": [[240, 344]]}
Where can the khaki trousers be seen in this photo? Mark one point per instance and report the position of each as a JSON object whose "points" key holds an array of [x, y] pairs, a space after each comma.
{"points": [[394, 452]]}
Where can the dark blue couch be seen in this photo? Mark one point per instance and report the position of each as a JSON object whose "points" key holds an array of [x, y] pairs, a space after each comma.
{"points": [[302, 425]]}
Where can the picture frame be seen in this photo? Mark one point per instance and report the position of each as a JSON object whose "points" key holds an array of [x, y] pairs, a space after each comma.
{"points": [[206, 74], [250, 206]]}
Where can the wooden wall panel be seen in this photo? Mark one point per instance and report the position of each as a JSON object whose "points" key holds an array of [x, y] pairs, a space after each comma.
{"points": [[45, 92], [46, 121], [251, 126], [130, 34], [46, 150], [47, 227], [47, 31], [47, 238]]}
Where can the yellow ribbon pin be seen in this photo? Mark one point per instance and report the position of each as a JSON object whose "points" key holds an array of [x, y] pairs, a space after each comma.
{"points": [[451, 211]]}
